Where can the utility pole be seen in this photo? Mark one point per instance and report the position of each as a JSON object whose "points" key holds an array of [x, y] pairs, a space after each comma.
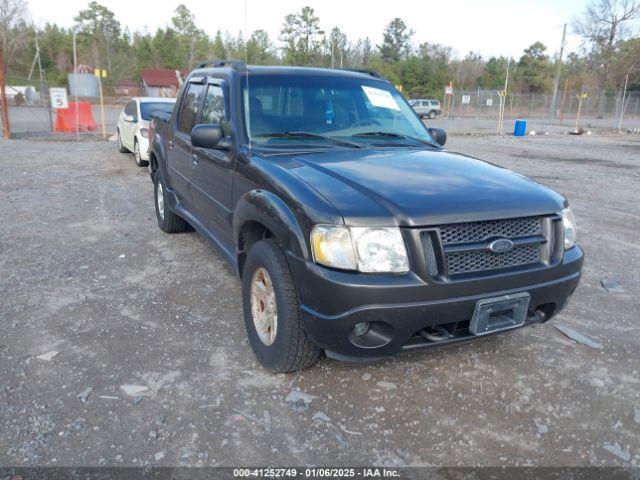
{"points": [[43, 94], [100, 73], [564, 99], [622, 104], [333, 65], [556, 80], [75, 82], [503, 101], [191, 53], [6, 132]]}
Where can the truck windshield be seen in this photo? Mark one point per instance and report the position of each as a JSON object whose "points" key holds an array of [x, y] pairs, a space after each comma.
{"points": [[283, 110], [148, 108]]}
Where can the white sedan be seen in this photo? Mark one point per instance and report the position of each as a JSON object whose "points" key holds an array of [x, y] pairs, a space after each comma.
{"points": [[133, 125]]}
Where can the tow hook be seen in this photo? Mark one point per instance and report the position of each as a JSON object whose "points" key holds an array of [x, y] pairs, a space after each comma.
{"points": [[441, 335]]}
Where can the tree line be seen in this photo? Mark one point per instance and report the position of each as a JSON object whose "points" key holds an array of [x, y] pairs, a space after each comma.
{"points": [[609, 29]]}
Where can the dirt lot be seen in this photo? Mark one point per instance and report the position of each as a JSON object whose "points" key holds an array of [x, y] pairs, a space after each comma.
{"points": [[87, 273]]}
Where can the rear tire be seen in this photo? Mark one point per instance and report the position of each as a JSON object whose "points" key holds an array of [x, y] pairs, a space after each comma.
{"points": [[289, 348], [432, 114], [136, 154], [121, 147], [168, 221]]}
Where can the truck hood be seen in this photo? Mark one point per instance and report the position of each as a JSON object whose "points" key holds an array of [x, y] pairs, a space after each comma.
{"points": [[410, 187]]}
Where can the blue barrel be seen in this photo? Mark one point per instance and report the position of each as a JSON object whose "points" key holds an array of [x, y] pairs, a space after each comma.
{"points": [[520, 129]]}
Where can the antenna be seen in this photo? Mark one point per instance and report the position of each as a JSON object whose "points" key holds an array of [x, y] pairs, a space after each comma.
{"points": [[247, 107]]}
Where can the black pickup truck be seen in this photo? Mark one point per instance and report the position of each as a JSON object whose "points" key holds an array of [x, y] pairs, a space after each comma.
{"points": [[353, 231]]}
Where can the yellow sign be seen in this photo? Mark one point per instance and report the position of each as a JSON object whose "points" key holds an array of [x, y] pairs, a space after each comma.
{"points": [[100, 73], [399, 88]]}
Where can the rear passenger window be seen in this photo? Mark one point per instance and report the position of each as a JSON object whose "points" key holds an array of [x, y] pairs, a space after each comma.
{"points": [[190, 105]]}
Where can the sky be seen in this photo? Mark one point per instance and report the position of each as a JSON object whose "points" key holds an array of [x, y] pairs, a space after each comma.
{"points": [[488, 27]]}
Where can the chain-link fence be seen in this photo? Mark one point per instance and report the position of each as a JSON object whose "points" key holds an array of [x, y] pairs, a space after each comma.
{"points": [[28, 120], [30, 113], [32, 110], [36, 117], [486, 104]]}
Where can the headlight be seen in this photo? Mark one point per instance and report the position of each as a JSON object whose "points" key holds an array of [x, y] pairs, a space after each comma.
{"points": [[144, 132], [380, 250], [569, 226], [367, 249]]}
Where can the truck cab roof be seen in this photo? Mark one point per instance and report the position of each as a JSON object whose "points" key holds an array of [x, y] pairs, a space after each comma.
{"points": [[228, 68]]}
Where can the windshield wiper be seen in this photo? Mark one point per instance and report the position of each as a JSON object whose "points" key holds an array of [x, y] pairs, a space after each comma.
{"points": [[389, 135], [319, 136]]}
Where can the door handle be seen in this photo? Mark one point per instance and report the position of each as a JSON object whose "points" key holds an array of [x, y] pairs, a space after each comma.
{"points": [[194, 159], [170, 144]]}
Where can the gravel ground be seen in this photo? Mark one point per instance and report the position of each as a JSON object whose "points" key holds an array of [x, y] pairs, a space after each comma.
{"points": [[87, 273]]}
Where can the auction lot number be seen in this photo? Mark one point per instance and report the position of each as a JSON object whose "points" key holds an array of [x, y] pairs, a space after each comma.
{"points": [[322, 472]]}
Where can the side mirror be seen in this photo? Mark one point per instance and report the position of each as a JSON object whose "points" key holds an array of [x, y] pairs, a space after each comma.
{"points": [[206, 136], [129, 118], [439, 135]]}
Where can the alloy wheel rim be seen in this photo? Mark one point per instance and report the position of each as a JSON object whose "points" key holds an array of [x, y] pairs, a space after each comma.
{"points": [[160, 200], [263, 306]]}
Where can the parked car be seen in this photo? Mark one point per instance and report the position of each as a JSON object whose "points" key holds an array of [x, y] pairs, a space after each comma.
{"points": [[353, 231], [426, 108], [133, 125]]}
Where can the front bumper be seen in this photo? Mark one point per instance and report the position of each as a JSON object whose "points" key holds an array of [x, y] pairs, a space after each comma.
{"points": [[400, 307]]}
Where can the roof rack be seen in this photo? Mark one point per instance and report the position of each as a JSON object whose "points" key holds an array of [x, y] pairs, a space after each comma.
{"points": [[366, 71], [235, 64]]}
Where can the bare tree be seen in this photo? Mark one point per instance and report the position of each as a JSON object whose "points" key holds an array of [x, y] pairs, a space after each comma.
{"points": [[13, 27], [604, 24], [468, 70]]}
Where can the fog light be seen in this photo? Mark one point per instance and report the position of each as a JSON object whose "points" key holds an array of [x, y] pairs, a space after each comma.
{"points": [[361, 328]]}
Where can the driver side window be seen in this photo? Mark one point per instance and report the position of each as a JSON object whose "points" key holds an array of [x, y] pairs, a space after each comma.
{"points": [[213, 110]]}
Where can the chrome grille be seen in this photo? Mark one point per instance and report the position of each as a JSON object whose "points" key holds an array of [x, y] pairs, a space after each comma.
{"points": [[483, 260], [481, 231]]}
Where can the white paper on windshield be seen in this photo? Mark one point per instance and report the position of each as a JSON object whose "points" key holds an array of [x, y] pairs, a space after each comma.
{"points": [[380, 98]]}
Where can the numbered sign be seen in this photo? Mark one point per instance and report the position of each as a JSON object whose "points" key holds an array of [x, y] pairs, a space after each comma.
{"points": [[59, 97]]}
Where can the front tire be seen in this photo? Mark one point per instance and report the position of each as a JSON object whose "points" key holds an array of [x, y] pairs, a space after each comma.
{"points": [[272, 311], [168, 221], [432, 114]]}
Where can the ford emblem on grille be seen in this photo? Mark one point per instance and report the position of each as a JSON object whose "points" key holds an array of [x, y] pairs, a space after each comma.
{"points": [[501, 245]]}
